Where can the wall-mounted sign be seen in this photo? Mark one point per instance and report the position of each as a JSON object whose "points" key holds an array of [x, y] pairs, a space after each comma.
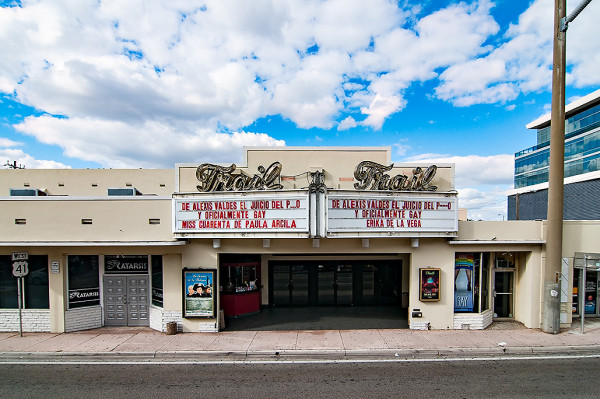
{"points": [[463, 282], [55, 267], [397, 214], [429, 284], [218, 178], [198, 293], [241, 214], [372, 176], [126, 264]]}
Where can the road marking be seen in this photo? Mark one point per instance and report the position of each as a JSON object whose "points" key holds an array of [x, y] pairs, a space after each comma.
{"points": [[292, 361]]}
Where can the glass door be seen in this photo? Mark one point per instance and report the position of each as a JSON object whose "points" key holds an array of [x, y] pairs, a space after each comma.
{"points": [[299, 284], [335, 284], [290, 284], [591, 293], [344, 284], [503, 294]]}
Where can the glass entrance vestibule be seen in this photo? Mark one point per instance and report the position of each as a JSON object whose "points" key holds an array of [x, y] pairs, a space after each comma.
{"points": [[591, 293], [586, 284], [335, 283]]}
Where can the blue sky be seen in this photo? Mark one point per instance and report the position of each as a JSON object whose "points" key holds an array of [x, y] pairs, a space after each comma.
{"points": [[113, 84]]}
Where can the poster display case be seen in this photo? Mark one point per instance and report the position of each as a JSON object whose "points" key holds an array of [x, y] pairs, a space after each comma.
{"points": [[429, 284], [198, 298]]}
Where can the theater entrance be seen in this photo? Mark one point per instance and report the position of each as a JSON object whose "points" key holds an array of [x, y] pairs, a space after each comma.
{"points": [[330, 295], [335, 283]]}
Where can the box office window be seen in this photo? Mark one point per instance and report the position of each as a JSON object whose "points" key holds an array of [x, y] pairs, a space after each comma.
{"points": [[157, 280], [239, 273], [84, 281], [35, 284]]}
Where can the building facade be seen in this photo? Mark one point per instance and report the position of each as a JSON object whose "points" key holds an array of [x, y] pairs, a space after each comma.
{"points": [[289, 227], [582, 144], [529, 199]]}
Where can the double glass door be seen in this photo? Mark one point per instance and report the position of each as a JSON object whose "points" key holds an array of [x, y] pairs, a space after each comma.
{"points": [[334, 283]]}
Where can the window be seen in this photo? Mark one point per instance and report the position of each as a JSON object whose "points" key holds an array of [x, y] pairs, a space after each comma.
{"points": [[471, 282], [26, 192], [83, 280], [157, 280], [35, 284], [124, 191]]}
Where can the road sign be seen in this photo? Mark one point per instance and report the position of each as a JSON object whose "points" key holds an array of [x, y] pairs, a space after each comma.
{"points": [[20, 268], [20, 256]]}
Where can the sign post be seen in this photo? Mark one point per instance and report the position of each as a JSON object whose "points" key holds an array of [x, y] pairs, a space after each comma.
{"points": [[20, 270]]}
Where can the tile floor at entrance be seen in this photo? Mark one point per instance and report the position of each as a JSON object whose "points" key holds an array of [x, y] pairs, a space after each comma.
{"points": [[321, 318]]}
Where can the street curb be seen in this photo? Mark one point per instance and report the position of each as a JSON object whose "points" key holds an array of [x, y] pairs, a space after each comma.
{"points": [[310, 354]]}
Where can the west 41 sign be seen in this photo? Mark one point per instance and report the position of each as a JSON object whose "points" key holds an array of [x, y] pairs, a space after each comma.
{"points": [[20, 264]]}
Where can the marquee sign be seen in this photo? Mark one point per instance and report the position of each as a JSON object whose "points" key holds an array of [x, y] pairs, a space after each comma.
{"points": [[368, 174], [372, 176], [398, 214], [218, 178], [237, 214]]}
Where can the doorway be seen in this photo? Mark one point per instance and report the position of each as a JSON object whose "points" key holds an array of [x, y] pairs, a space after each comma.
{"points": [[503, 294], [591, 292], [126, 300], [335, 283]]}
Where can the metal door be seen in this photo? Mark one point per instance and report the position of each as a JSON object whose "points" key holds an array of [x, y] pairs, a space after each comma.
{"points": [[137, 301], [126, 300]]}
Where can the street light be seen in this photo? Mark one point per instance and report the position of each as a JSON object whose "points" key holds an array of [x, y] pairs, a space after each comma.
{"points": [[551, 322]]}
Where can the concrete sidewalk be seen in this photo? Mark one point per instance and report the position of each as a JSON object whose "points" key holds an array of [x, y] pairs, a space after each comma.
{"points": [[146, 344]]}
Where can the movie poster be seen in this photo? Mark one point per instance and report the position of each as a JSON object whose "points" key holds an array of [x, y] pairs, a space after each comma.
{"points": [[199, 295], [463, 283], [430, 285]]}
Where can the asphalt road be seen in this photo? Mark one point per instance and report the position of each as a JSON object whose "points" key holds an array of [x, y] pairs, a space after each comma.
{"points": [[539, 378]]}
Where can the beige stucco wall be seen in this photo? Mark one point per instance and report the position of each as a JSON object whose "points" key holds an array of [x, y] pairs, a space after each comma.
{"points": [[88, 182], [60, 219]]}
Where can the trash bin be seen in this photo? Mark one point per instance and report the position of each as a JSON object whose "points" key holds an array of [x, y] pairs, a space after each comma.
{"points": [[171, 328]]}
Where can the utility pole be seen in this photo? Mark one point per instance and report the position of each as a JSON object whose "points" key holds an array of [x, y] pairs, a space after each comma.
{"points": [[551, 320]]}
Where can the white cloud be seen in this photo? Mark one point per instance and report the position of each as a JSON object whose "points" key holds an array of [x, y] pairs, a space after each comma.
{"points": [[9, 143], [401, 148], [183, 71], [29, 162], [484, 203], [380, 108], [225, 63], [523, 63], [475, 170], [122, 145], [347, 123], [481, 182]]}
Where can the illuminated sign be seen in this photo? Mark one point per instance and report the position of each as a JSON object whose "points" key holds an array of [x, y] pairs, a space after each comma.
{"points": [[241, 214], [218, 178], [372, 176], [387, 214], [368, 174]]}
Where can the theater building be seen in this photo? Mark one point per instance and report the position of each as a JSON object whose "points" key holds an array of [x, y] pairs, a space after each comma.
{"points": [[289, 228]]}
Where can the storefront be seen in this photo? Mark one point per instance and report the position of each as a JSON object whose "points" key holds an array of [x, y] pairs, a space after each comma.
{"points": [[291, 228], [585, 280]]}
